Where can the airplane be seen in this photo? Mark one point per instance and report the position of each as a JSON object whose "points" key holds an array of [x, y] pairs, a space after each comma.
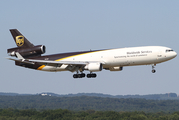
{"points": [[30, 56]]}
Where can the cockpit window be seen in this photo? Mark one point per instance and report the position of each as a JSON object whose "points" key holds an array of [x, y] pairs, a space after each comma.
{"points": [[169, 50]]}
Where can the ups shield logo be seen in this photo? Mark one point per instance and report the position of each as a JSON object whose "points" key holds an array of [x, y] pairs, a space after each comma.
{"points": [[20, 40]]}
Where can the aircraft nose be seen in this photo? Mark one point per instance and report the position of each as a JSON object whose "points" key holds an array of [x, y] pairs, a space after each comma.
{"points": [[171, 55], [175, 54]]}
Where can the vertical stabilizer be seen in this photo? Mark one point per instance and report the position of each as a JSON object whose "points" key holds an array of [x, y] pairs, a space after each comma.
{"points": [[24, 48], [20, 40]]}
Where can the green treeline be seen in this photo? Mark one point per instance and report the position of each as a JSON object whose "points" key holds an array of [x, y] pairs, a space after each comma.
{"points": [[167, 96], [84, 103], [59, 114]]}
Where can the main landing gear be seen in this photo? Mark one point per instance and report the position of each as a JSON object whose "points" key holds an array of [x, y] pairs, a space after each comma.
{"points": [[91, 75], [153, 68], [79, 75]]}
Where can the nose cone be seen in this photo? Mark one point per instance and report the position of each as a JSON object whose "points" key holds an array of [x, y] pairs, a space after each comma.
{"points": [[171, 55], [175, 54]]}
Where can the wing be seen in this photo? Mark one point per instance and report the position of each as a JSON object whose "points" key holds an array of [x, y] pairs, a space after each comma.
{"points": [[71, 65], [57, 62], [49, 62]]}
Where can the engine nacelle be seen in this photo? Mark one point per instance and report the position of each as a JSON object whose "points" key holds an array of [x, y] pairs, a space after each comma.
{"points": [[94, 67], [115, 68], [28, 52]]}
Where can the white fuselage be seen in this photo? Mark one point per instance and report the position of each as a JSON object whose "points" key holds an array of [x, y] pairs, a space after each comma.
{"points": [[114, 58]]}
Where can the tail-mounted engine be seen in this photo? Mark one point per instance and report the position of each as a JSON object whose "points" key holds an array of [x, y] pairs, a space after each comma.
{"points": [[27, 52]]}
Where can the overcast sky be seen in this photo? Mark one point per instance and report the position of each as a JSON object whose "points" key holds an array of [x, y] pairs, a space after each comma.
{"points": [[79, 25]]}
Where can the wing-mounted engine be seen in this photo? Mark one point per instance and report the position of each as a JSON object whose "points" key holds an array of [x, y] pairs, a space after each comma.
{"points": [[27, 52], [94, 67]]}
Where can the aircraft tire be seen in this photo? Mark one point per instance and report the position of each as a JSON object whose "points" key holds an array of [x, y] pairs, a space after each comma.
{"points": [[88, 75], [153, 71], [79, 76], [75, 76], [93, 75], [82, 75]]}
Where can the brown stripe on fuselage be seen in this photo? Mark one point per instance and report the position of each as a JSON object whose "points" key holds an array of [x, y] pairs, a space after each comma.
{"points": [[63, 55], [58, 57]]}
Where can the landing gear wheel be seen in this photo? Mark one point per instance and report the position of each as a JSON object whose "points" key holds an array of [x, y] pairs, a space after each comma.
{"points": [[88, 75], [153, 68], [79, 75], [91, 75], [83, 75], [75, 76], [153, 71]]}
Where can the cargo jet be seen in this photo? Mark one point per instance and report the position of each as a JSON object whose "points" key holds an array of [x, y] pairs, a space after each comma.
{"points": [[30, 56]]}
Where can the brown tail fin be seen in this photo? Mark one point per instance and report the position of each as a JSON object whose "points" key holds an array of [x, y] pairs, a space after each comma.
{"points": [[24, 47], [20, 40]]}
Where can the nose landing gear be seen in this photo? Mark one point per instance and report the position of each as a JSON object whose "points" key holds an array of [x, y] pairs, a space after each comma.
{"points": [[153, 68]]}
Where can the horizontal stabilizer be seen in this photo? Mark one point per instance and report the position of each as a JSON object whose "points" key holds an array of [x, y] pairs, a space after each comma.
{"points": [[19, 60]]}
